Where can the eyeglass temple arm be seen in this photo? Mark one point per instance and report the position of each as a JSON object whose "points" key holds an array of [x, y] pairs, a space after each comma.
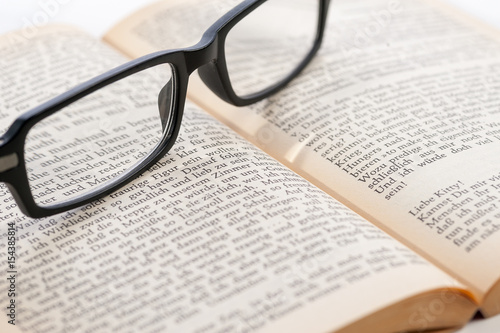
{"points": [[165, 103]]}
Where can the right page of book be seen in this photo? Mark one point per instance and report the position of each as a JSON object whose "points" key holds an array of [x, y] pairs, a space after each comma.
{"points": [[397, 116]]}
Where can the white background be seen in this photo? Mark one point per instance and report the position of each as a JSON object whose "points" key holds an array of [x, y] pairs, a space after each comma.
{"points": [[97, 16]]}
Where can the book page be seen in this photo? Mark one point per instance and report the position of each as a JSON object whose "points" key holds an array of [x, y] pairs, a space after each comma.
{"points": [[217, 236], [397, 117]]}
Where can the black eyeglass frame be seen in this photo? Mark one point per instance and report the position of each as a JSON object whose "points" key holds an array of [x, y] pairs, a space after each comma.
{"points": [[208, 56]]}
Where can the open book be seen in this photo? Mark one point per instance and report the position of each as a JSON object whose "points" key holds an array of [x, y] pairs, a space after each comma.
{"points": [[364, 197]]}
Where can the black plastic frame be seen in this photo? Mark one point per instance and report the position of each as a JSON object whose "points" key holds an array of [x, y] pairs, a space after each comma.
{"points": [[208, 56]]}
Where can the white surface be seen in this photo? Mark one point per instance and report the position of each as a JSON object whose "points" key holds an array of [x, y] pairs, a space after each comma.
{"points": [[97, 16]]}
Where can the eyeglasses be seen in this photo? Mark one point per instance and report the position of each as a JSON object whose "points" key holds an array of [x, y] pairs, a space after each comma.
{"points": [[68, 152]]}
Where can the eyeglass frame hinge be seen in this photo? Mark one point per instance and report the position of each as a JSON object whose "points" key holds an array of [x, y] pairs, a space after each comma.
{"points": [[8, 162]]}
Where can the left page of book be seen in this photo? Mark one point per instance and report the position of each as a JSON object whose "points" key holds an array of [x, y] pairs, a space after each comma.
{"points": [[216, 237]]}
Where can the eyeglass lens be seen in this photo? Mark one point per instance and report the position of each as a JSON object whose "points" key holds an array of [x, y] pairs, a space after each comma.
{"points": [[267, 45], [99, 138]]}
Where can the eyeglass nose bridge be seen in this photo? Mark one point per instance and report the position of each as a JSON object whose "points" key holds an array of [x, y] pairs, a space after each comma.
{"points": [[208, 58], [206, 51]]}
